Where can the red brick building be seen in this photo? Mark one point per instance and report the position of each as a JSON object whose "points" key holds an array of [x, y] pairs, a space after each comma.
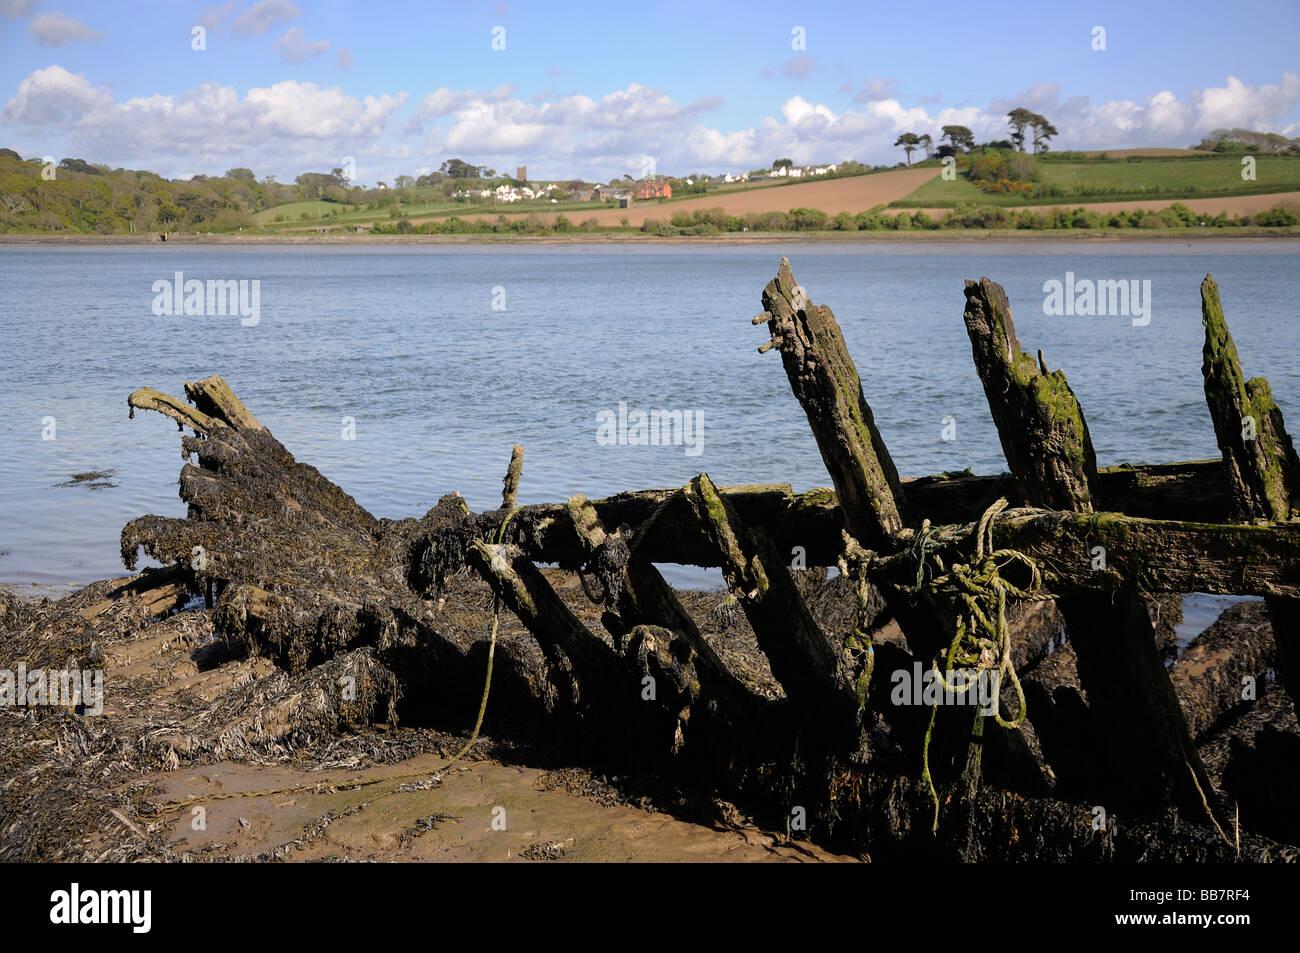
{"points": [[654, 190]]}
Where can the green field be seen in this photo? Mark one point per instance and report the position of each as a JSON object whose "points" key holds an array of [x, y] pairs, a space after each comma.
{"points": [[1113, 180], [294, 211]]}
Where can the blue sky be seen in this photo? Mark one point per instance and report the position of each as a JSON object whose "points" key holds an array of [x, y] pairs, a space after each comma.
{"points": [[594, 90]]}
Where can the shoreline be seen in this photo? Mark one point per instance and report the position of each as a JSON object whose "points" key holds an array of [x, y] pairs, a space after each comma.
{"points": [[1095, 236]]}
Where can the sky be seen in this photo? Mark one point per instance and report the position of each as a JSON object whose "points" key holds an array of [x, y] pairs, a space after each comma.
{"points": [[596, 90]]}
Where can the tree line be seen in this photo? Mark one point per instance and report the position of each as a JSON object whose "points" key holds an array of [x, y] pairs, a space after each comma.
{"points": [[1024, 126]]}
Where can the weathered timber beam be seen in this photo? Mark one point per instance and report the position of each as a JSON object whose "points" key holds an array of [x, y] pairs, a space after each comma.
{"points": [[592, 667], [639, 594], [1259, 458], [510, 485], [521, 586], [1193, 490], [657, 717], [213, 396], [147, 398], [812, 520], [825, 381], [1159, 555], [1189, 491], [1168, 555], [1039, 421], [802, 658]]}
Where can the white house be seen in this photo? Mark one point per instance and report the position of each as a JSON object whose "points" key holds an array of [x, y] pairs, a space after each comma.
{"points": [[508, 193]]}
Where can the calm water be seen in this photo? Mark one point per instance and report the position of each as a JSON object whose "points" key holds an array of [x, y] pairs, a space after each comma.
{"points": [[406, 341]]}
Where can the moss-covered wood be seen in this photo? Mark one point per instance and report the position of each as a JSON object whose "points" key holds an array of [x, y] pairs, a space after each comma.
{"points": [[1040, 423], [803, 659], [1260, 466], [1259, 458], [825, 381]]}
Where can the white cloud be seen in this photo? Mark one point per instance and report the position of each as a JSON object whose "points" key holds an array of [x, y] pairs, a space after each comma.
{"points": [[292, 126], [571, 135], [53, 97], [877, 87], [213, 17], [797, 109], [344, 58], [296, 125], [261, 16], [800, 67], [57, 28], [294, 48], [18, 8], [1161, 119], [1237, 104], [444, 101]]}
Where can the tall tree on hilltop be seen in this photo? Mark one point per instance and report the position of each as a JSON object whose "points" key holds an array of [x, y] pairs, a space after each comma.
{"points": [[959, 137], [1043, 131], [1018, 119], [459, 169], [910, 141]]}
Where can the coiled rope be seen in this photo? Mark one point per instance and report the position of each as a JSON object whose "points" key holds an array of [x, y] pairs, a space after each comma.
{"points": [[982, 639]]}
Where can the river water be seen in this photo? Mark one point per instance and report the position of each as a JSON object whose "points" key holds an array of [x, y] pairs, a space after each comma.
{"points": [[403, 373]]}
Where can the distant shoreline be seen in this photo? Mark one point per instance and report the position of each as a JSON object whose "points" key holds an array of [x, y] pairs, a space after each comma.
{"points": [[1096, 235]]}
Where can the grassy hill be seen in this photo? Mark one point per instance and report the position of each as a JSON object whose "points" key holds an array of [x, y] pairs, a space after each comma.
{"points": [[77, 197], [300, 211], [1080, 181]]}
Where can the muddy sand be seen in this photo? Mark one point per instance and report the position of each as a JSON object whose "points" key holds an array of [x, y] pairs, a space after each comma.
{"points": [[475, 811], [168, 774]]}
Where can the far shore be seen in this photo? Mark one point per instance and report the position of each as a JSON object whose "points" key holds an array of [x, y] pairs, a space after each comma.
{"points": [[1073, 235]]}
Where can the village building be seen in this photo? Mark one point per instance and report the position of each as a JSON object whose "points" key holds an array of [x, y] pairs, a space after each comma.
{"points": [[654, 189], [509, 193], [603, 193]]}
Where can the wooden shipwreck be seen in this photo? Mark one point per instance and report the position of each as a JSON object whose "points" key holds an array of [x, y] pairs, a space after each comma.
{"points": [[937, 574]]}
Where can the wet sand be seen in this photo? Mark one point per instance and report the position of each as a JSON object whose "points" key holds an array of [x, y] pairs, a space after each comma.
{"points": [[477, 811]]}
